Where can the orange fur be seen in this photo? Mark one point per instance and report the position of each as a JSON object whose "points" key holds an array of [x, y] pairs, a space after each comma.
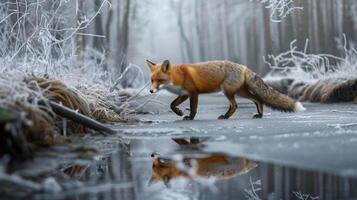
{"points": [[219, 166]]}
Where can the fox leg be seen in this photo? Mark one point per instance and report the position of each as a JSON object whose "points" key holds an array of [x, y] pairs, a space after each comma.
{"points": [[193, 107], [259, 106], [232, 106], [177, 102], [182, 141], [258, 103], [194, 140]]}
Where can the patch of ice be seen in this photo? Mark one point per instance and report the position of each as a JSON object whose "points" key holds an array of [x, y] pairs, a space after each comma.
{"points": [[296, 145], [51, 185], [167, 131], [255, 137], [220, 138], [342, 125], [199, 130], [286, 135]]}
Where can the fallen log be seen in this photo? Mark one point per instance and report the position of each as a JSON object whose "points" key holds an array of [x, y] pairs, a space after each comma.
{"points": [[79, 118]]}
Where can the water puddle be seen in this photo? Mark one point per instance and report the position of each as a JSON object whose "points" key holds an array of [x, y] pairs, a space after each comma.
{"points": [[188, 168]]}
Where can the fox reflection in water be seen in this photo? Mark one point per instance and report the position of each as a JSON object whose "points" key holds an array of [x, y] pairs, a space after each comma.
{"points": [[217, 165]]}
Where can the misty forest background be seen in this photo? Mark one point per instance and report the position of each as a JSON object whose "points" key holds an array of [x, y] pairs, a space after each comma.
{"points": [[83, 55], [125, 32]]}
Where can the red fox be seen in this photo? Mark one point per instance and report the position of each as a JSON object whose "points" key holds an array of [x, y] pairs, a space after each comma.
{"points": [[190, 80], [217, 166]]}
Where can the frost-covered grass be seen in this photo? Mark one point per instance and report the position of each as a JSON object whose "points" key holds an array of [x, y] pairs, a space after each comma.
{"points": [[43, 58], [42, 38], [39, 41], [302, 66]]}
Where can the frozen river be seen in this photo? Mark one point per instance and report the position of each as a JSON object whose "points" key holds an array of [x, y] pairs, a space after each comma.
{"points": [[324, 137], [307, 155]]}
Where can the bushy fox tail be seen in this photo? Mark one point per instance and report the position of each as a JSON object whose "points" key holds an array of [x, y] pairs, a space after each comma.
{"points": [[271, 97]]}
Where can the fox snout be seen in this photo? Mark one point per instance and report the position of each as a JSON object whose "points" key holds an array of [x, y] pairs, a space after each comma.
{"points": [[155, 85], [153, 90]]}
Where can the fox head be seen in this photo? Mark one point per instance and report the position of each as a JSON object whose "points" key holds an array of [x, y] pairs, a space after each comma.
{"points": [[160, 74], [163, 170]]}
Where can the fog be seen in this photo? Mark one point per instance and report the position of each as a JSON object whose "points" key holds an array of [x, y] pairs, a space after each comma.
{"points": [[238, 30], [184, 31]]}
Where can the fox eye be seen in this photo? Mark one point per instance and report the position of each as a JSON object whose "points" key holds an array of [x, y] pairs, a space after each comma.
{"points": [[152, 80]]}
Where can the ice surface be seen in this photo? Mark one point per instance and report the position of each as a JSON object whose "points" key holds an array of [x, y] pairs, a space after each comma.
{"points": [[322, 138]]}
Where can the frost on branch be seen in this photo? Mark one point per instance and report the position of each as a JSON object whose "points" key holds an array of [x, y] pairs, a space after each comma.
{"points": [[298, 64], [42, 59], [252, 193], [301, 196], [280, 8]]}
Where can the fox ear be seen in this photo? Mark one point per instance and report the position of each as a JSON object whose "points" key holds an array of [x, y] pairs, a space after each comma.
{"points": [[150, 64], [165, 66]]}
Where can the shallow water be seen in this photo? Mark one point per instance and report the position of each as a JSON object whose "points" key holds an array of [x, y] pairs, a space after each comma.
{"points": [[204, 174]]}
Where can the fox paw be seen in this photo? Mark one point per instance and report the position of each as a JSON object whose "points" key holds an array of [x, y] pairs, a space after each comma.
{"points": [[187, 118], [222, 117], [258, 116], [178, 112]]}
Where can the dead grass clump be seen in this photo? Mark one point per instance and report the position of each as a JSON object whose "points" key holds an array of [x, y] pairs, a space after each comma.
{"points": [[15, 95], [101, 108], [42, 130], [31, 95], [57, 91]]}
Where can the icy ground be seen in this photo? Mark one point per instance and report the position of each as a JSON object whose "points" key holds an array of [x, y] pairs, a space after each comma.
{"points": [[309, 155], [323, 138]]}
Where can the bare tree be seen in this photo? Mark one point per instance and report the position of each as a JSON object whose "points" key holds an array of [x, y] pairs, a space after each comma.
{"points": [[186, 48]]}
